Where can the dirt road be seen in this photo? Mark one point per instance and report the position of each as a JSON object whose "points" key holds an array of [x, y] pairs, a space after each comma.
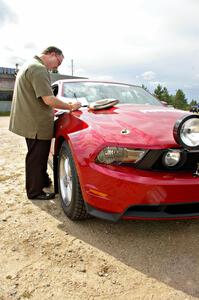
{"points": [[44, 255]]}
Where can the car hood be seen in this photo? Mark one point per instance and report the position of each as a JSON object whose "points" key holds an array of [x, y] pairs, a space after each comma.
{"points": [[143, 126]]}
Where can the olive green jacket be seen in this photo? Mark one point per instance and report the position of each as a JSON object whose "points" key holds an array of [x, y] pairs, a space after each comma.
{"points": [[30, 116]]}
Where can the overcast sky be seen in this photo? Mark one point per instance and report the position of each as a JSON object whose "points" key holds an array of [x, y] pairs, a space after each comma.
{"points": [[140, 42]]}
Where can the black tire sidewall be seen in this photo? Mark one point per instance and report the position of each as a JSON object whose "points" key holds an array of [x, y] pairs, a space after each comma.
{"points": [[68, 209]]}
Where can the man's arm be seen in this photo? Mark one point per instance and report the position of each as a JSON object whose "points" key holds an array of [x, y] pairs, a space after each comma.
{"points": [[59, 104]]}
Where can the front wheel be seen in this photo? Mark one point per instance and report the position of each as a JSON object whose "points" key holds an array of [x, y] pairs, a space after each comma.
{"points": [[69, 186]]}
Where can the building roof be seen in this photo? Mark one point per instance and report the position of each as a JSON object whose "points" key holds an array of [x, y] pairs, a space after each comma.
{"points": [[56, 76]]}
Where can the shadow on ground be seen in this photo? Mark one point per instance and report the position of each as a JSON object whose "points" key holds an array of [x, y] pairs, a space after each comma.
{"points": [[165, 250]]}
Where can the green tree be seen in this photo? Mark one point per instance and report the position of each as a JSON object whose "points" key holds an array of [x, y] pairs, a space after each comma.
{"points": [[158, 92], [193, 102], [162, 94], [172, 100], [145, 88], [180, 100]]}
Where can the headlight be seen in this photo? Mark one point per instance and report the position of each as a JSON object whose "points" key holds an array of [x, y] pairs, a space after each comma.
{"points": [[122, 155], [186, 132], [171, 158]]}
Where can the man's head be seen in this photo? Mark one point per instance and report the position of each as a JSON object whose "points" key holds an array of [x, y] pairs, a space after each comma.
{"points": [[52, 57]]}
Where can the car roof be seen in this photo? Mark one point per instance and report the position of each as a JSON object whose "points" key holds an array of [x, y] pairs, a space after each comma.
{"points": [[94, 81]]}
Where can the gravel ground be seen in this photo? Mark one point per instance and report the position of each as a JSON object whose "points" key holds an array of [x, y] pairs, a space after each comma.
{"points": [[44, 255]]}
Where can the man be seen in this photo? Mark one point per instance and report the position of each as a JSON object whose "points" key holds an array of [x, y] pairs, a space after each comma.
{"points": [[32, 117]]}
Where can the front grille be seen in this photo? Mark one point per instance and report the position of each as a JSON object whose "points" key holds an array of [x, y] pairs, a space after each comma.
{"points": [[190, 163], [163, 211], [153, 161]]}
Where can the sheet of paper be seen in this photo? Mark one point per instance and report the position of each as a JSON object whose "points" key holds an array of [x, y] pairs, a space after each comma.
{"points": [[82, 100]]}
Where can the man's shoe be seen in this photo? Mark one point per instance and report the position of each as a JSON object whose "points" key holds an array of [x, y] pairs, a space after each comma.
{"points": [[45, 196]]}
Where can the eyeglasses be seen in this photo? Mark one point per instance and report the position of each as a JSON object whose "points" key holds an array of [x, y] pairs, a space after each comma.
{"points": [[58, 59]]}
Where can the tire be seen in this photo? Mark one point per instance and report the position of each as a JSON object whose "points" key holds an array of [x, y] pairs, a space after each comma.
{"points": [[69, 187]]}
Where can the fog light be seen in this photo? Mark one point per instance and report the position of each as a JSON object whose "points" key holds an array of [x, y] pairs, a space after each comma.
{"points": [[171, 158]]}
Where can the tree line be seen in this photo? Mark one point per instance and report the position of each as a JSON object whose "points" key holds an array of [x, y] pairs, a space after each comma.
{"points": [[178, 100]]}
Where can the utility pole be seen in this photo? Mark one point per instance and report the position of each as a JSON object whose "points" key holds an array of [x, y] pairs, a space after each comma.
{"points": [[16, 68], [72, 67]]}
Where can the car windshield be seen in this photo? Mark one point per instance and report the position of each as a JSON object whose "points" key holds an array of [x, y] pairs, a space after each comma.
{"points": [[88, 92]]}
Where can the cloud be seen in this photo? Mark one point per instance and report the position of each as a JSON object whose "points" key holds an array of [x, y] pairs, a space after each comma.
{"points": [[196, 76], [148, 76], [103, 78], [16, 59], [143, 41], [6, 14], [155, 83], [30, 45]]}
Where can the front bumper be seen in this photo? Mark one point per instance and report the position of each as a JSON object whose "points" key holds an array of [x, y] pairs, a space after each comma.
{"points": [[150, 212], [131, 193]]}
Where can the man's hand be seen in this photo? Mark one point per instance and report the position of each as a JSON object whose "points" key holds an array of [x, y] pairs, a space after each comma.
{"points": [[75, 106], [59, 104]]}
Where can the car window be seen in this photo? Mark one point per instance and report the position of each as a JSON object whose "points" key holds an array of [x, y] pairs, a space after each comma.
{"points": [[92, 91]]}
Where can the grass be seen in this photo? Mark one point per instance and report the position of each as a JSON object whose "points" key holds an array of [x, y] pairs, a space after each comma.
{"points": [[4, 113]]}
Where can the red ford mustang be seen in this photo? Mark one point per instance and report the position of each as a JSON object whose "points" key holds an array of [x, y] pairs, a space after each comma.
{"points": [[124, 154]]}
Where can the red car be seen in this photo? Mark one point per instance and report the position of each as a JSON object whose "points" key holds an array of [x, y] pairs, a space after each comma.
{"points": [[124, 154]]}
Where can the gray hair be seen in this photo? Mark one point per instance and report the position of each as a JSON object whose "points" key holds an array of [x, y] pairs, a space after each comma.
{"points": [[51, 49]]}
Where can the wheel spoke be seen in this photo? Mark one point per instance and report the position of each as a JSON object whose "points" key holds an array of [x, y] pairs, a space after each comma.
{"points": [[66, 184]]}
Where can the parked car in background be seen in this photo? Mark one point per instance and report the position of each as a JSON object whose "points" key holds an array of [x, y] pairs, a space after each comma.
{"points": [[124, 154], [194, 109]]}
